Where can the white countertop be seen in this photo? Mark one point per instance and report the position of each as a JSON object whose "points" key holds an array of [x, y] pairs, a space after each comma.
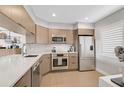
{"points": [[105, 81], [13, 67]]}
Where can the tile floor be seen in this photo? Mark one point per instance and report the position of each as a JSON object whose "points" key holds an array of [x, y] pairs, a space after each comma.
{"points": [[71, 79]]}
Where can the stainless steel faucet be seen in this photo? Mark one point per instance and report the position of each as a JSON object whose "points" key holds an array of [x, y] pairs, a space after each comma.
{"points": [[24, 50]]}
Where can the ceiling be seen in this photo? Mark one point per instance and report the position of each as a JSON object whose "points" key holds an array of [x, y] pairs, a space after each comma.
{"points": [[72, 13]]}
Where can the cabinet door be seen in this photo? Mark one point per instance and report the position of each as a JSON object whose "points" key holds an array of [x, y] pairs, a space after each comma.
{"points": [[73, 62], [25, 81], [28, 22], [56, 32], [61, 32], [18, 14], [14, 12], [6, 10], [69, 37], [42, 35], [17, 51], [46, 64]]}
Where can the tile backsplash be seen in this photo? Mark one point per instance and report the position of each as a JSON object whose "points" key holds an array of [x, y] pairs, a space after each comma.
{"points": [[39, 48]]}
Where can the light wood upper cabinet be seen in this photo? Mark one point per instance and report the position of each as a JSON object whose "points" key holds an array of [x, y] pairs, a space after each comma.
{"points": [[6, 10], [57, 32], [69, 36], [42, 35], [18, 14], [85, 31]]}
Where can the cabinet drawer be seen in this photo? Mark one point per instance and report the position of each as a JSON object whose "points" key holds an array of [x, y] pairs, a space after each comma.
{"points": [[73, 54], [74, 62], [73, 66], [73, 59], [46, 56]]}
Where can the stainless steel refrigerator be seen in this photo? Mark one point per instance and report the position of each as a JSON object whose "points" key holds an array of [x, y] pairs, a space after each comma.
{"points": [[86, 53]]}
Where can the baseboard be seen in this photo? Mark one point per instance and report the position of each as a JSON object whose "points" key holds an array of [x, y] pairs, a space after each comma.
{"points": [[102, 72]]}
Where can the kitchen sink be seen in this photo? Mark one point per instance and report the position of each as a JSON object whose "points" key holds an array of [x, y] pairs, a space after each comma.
{"points": [[31, 55]]}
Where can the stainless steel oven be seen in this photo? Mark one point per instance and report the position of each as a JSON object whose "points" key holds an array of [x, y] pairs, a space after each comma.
{"points": [[59, 61]]}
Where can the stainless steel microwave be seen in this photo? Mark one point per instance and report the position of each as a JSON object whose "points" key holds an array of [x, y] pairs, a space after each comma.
{"points": [[59, 40]]}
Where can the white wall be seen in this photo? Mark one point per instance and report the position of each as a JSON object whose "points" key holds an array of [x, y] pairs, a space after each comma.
{"points": [[104, 64]]}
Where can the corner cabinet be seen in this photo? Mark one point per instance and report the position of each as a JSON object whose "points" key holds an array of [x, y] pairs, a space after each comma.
{"points": [[25, 81], [18, 14], [73, 61]]}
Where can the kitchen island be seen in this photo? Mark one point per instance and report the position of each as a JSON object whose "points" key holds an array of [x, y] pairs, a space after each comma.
{"points": [[13, 67]]}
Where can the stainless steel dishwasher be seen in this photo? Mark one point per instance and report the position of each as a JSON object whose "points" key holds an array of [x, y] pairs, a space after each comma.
{"points": [[36, 77]]}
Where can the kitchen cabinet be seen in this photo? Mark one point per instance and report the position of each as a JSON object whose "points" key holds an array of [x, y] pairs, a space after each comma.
{"points": [[18, 14], [56, 33], [25, 81], [42, 35], [46, 64], [69, 37], [75, 38], [17, 51], [62, 33], [6, 10], [85, 31], [4, 52], [3, 35], [73, 61]]}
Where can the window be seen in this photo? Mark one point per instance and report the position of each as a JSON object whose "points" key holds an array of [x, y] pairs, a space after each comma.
{"points": [[112, 36]]}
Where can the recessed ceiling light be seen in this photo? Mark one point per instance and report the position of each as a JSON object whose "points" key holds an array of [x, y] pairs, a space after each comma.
{"points": [[53, 14], [86, 18]]}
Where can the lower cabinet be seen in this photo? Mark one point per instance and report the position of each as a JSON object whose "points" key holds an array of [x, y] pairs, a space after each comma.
{"points": [[25, 81], [73, 61], [46, 64]]}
